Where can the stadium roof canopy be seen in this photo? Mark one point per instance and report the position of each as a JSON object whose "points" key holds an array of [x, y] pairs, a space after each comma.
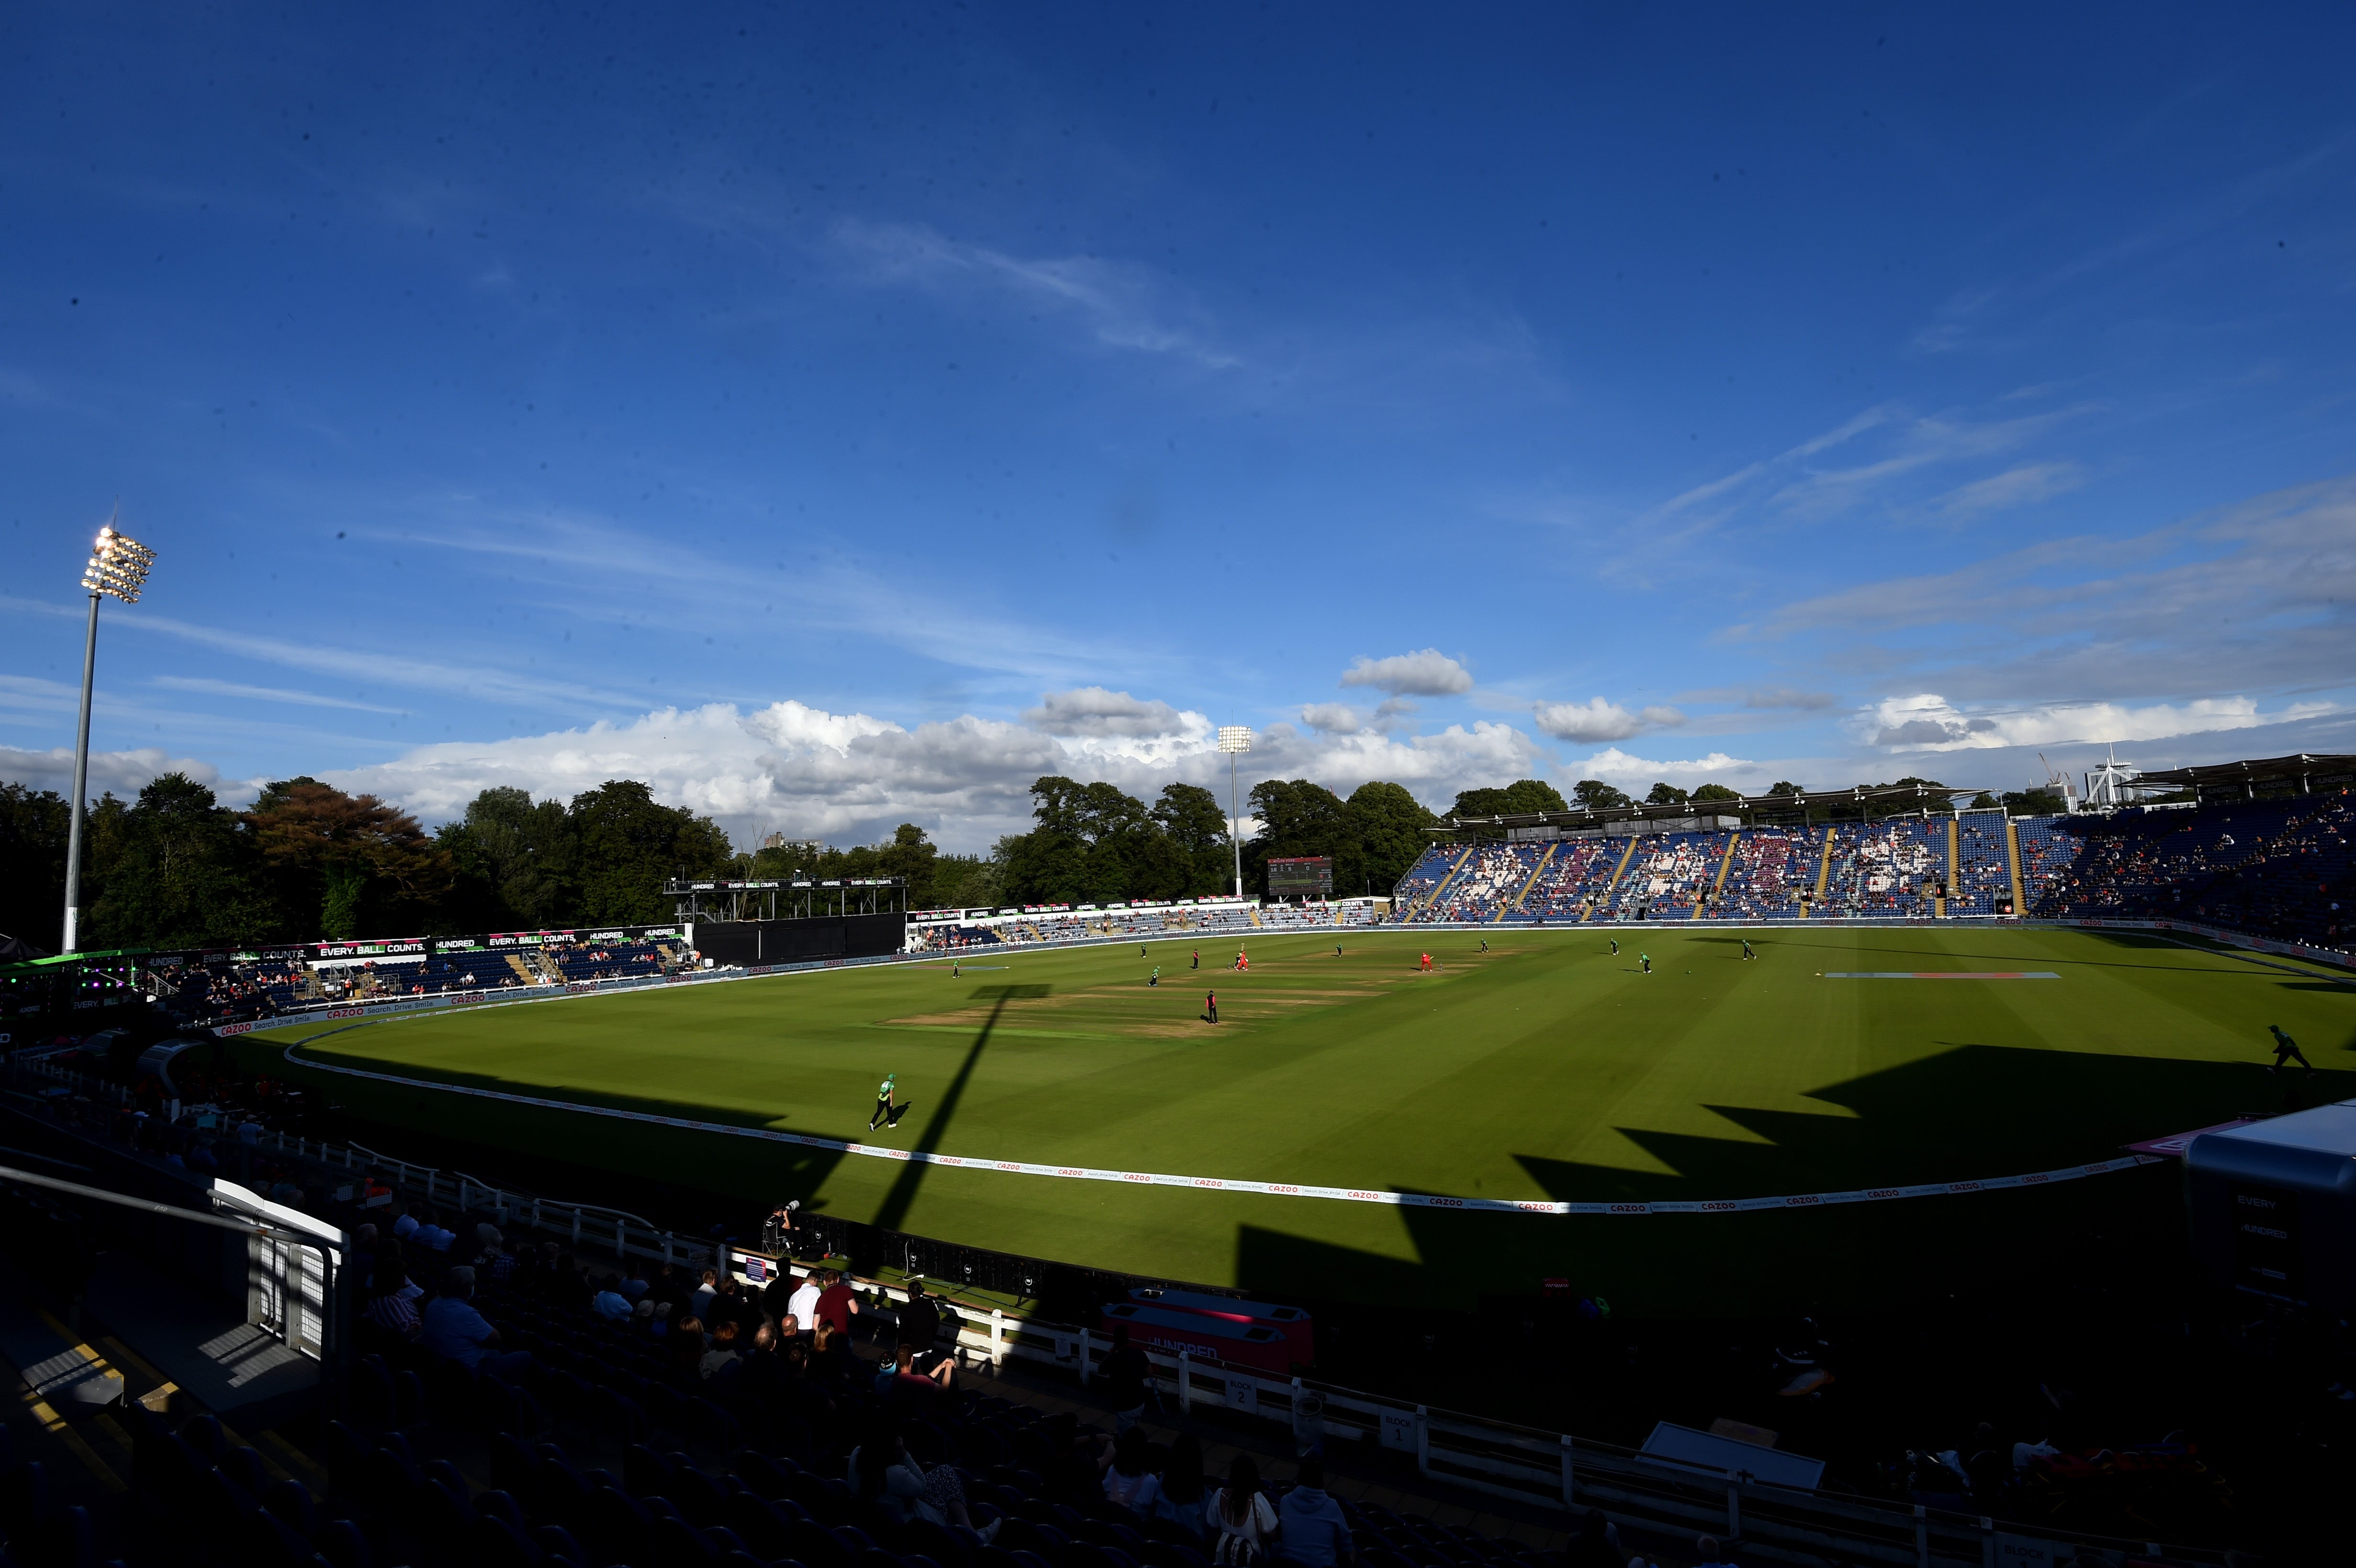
{"points": [[1891, 798], [2301, 773]]}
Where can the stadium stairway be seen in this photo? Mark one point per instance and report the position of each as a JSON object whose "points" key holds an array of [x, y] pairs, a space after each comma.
{"points": [[1718, 886], [1514, 905]]}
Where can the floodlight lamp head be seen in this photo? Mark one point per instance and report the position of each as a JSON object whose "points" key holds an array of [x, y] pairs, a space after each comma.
{"points": [[1235, 738], [118, 565]]}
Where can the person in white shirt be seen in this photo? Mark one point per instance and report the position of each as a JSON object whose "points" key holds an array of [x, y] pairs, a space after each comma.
{"points": [[803, 1307]]}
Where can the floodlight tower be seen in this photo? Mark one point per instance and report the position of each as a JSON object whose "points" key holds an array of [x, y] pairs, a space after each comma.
{"points": [[118, 565], [1235, 740]]}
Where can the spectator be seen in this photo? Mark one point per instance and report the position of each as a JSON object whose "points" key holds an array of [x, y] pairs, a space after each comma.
{"points": [[609, 1302], [722, 1353], [700, 1302], [431, 1235], [363, 1264], [1593, 1547], [803, 1303], [899, 1376], [1241, 1514], [387, 1307], [1707, 1554], [686, 1344], [1179, 1499], [777, 1295], [1125, 1371], [1315, 1533], [1127, 1462], [763, 1374], [406, 1226], [837, 1305], [454, 1331], [920, 1325]]}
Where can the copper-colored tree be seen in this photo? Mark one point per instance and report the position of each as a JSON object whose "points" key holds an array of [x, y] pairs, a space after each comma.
{"points": [[343, 858]]}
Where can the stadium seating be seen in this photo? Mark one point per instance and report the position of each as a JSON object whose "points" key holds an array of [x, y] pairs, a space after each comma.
{"points": [[1886, 868], [1772, 868]]}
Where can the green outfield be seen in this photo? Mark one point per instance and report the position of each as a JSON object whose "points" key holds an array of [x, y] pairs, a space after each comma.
{"points": [[1545, 1068]]}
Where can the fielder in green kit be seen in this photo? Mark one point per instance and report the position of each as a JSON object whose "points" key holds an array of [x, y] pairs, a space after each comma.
{"points": [[883, 1109]]}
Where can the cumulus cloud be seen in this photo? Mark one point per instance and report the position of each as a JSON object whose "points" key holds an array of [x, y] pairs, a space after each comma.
{"points": [[1429, 673], [849, 777], [1596, 720], [120, 773], [1093, 710], [1333, 718], [1929, 722], [1611, 763]]}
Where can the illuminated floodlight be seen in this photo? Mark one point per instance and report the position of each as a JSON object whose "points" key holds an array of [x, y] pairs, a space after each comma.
{"points": [[118, 566], [1235, 738]]}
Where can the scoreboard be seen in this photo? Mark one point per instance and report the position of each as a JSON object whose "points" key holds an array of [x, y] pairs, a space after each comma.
{"points": [[1301, 876]]}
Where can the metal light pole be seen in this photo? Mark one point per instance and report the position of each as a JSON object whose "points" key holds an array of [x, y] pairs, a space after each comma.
{"points": [[118, 565], [1235, 740]]}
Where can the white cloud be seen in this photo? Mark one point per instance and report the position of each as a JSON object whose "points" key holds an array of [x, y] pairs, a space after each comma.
{"points": [[1093, 710], [265, 693], [1333, 718], [1611, 763], [2022, 486], [1596, 720], [849, 777], [1122, 306], [120, 773], [1928, 722], [1428, 673]]}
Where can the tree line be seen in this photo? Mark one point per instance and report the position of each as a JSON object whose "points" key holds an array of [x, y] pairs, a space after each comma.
{"points": [[174, 868]]}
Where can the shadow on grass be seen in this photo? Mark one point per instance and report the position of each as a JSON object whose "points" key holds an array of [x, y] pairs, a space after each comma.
{"points": [[1972, 1111]]}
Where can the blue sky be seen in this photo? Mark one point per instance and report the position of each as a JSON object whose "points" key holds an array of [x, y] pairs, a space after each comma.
{"points": [[839, 416]]}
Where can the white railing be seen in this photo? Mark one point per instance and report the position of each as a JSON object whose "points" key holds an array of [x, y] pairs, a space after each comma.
{"points": [[1771, 1522]]}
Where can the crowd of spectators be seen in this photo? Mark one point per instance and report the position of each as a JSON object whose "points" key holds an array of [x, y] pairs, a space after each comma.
{"points": [[2275, 868], [1887, 868]]}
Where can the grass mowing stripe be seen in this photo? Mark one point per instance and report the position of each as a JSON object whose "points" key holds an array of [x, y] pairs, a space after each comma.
{"points": [[1540, 1071]]}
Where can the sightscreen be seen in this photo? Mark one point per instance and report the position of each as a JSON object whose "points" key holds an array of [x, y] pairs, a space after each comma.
{"points": [[1301, 877]]}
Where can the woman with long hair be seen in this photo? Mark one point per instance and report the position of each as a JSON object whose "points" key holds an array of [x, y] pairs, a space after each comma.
{"points": [[1242, 1515]]}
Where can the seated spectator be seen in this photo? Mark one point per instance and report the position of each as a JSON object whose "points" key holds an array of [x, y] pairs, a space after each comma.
{"points": [[1127, 1462], [722, 1353], [1314, 1532], [899, 1376], [454, 1331], [406, 1226], [1179, 1499], [687, 1343], [1241, 1516], [1593, 1546], [387, 1307], [609, 1302]]}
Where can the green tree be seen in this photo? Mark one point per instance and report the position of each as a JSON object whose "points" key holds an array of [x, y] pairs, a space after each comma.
{"points": [[1194, 826], [630, 843], [183, 872], [1665, 795], [1296, 817], [516, 862], [34, 827], [1984, 800], [1715, 792], [1384, 824], [1597, 796], [1785, 786], [1093, 843], [1522, 797]]}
